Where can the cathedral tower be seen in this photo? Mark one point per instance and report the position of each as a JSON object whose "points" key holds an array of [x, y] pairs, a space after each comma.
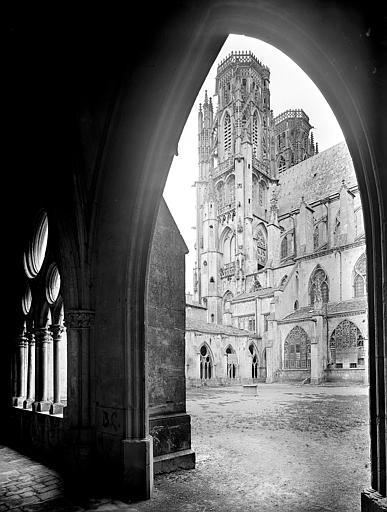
{"points": [[237, 174], [293, 142]]}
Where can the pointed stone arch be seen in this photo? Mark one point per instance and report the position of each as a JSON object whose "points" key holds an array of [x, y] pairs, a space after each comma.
{"points": [[206, 362], [346, 346], [318, 288]]}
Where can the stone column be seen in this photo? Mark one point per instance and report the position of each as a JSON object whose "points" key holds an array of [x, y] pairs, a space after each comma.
{"points": [[43, 338], [57, 335], [30, 372], [21, 370]]}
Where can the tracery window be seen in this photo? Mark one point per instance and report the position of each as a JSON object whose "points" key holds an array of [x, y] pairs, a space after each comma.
{"points": [[227, 133], [346, 346], [360, 276], [205, 363], [227, 302], [231, 362], [318, 286], [261, 249], [297, 349], [254, 361]]}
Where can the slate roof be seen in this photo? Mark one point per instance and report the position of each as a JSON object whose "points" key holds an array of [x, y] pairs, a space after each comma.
{"points": [[192, 304], [315, 178], [334, 308], [198, 325]]}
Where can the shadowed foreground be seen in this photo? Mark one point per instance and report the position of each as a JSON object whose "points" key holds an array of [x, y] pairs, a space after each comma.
{"points": [[290, 448]]}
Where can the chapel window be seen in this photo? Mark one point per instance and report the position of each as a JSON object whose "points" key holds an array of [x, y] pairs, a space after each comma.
{"points": [[297, 349], [284, 247]]}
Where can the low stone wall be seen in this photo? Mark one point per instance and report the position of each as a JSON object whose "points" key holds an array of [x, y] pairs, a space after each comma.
{"points": [[293, 375], [345, 375]]}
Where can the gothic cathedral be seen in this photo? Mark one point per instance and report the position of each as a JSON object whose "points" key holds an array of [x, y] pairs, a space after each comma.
{"points": [[279, 279]]}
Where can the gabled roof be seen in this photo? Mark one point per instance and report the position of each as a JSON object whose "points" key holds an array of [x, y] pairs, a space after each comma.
{"points": [[212, 328], [316, 178]]}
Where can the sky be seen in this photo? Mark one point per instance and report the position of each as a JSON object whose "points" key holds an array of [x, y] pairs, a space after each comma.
{"points": [[290, 88]]}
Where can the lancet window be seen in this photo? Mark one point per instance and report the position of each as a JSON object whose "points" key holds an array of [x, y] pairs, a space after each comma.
{"points": [[360, 276], [319, 287], [346, 346], [227, 133], [297, 349], [254, 361]]}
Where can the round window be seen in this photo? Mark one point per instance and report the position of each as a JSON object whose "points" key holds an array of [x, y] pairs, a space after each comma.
{"points": [[27, 300], [36, 250], [52, 284]]}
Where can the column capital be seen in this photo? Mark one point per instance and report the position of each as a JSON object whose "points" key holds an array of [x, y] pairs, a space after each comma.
{"points": [[43, 335], [57, 330], [79, 318]]}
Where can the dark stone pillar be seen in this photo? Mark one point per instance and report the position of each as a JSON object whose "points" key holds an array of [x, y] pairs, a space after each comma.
{"points": [[57, 333], [21, 370]]}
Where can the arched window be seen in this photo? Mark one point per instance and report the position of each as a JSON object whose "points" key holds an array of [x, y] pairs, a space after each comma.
{"points": [[261, 249], [346, 346], [232, 248], [296, 306], [360, 276], [231, 362], [318, 286], [284, 247], [297, 349], [281, 164], [255, 133], [227, 133], [226, 249], [205, 363]]}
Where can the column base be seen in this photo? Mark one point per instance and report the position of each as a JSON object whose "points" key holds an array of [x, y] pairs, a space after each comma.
{"points": [[27, 404], [372, 501], [56, 408], [174, 461], [138, 468], [18, 401], [42, 406]]}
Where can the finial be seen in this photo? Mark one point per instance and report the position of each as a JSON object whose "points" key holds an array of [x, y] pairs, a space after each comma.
{"points": [[316, 148], [205, 97]]}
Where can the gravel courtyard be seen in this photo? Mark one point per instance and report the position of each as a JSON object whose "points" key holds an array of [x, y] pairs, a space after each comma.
{"points": [[292, 448]]}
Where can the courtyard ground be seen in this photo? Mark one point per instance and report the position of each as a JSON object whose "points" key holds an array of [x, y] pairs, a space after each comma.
{"points": [[292, 448]]}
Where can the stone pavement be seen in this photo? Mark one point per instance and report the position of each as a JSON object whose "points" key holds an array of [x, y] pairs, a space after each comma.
{"points": [[290, 448]]}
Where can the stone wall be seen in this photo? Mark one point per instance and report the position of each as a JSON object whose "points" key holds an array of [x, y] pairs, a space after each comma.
{"points": [[169, 424]]}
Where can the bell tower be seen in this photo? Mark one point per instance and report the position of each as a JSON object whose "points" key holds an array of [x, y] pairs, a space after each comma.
{"points": [[237, 174]]}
